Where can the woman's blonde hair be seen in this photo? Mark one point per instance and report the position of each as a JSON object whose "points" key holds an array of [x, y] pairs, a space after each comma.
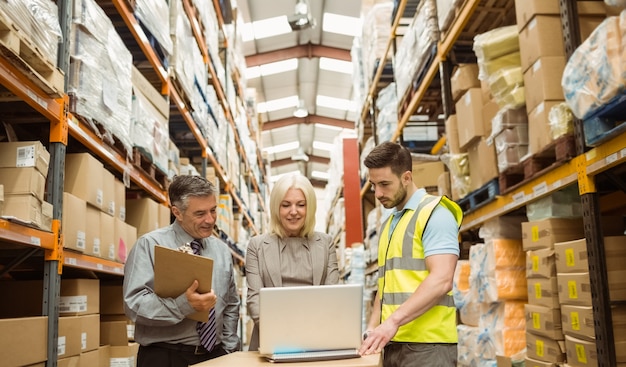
{"points": [[293, 181]]}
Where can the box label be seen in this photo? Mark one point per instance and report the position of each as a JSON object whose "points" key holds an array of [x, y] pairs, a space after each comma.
{"points": [[122, 362], [536, 320], [580, 353], [130, 331], [80, 240], [539, 345], [96, 246], [535, 262], [61, 346], [538, 290], [99, 197], [571, 289], [534, 233], [73, 304], [570, 259], [83, 341], [575, 320], [25, 156]]}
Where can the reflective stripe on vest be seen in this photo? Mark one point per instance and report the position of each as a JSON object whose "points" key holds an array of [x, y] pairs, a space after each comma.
{"points": [[402, 268]]}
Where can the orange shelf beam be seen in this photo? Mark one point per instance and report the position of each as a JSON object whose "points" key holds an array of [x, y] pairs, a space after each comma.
{"points": [[178, 101], [114, 158], [77, 260], [23, 235], [197, 31]]}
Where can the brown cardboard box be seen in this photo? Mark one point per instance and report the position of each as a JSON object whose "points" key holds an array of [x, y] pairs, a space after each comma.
{"points": [[107, 236], [113, 333], [69, 337], [131, 237], [539, 134], [575, 288], [25, 154], [73, 361], [125, 354], [529, 362], [105, 356], [443, 185], [452, 135], [83, 178], [164, 215], [525, 10], [130, 326], [89, 359], [581, 353], [111, 299], [142, 214], [490, 110], [465, 77], [92, 234], [484, 157], [544, 233], [79, 297], [90, 332], [571, 256], [470, 125], [74, 223], [544, 349], [108, 192], [119, 240], [120, 199], [26, 208], [23, 181], [540, 263], [141, 84], [577, 321], [542, 81], [425, 174], [24, 341], [544, 321], [543, 292]]}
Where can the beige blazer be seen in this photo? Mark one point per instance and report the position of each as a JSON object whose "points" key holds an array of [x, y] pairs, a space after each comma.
{"points": [[263, 270]]}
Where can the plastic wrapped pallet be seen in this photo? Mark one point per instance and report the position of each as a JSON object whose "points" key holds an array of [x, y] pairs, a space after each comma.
{"points": [[564, 203], [387, 119], [469, 309], [619, 3], [594, 74], [503, 328], [467, 346], [446, 11], [100, 73], [150, 131], [154, 15], [376, 30], [505, 342], [505, 253], [496, 43], [39, 20]]}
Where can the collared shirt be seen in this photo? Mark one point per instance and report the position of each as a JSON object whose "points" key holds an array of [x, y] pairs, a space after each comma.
{"points": [[440, 235], [163, 319], [295, 262]]}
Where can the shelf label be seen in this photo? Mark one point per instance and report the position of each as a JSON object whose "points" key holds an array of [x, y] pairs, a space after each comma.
{"points": [[40, 101], [623, 153], [540, 189], [519, 197], [99, 266], [118, 270], [612, 158], [35, 240], [70, 261], [557, 184]]}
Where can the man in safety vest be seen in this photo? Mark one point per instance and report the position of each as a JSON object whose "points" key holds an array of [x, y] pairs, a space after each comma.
{"points": [[414, 317]]}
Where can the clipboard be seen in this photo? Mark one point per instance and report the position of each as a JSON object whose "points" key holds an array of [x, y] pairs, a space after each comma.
{"points": [[174, 271]]}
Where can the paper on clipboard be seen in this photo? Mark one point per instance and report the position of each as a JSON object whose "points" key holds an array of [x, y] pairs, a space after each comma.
{"points": [[174, 271]]}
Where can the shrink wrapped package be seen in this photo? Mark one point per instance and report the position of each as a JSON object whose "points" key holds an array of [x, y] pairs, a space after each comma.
{"points": [[446, 11], [564, 203], [154, 15], [467, 346], [595, 73], [496, 43], [619, 3], [150, 131], [505, 284], [561, 120], [469, 309], [39, 20], [503, 315], [100, 73], [508, 226], [506, 342], [376, 30], [458, 165], [505, 253]]}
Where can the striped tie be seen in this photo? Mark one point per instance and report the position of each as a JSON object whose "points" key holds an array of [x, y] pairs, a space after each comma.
{"points": [[206, 330]]}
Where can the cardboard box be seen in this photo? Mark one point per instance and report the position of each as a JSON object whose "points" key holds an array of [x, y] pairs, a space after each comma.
{"points": [[23, 181], [92, 235], [142, 214], [26, 208], [89, 359], [84, 178], [425, 174], [130, 326], [124, 355], [465, 77], [108, 246], [108, 192], [490, 110], [529, 362], [164, 215], [113, 333], [575, 288], [580, 352], [120, 199], [25, 154], [73, 361], [525, 10], [571, 256], [74, 223], [443, 185], [577, 321], [89, 332], [544, 321], [539, 133], [542, 81], [119, 240], [141, 84], [545, 349], [105, 356], [79, 297], [483, 156], [24, 341], [452, 135], [504, 361], [540, 264], [69, 337], [111, 299], [471, 127], [543, 292], [545, 233]]}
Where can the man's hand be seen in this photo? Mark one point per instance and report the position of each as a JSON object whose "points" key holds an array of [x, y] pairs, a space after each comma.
{"points": [[200, 301], [376, 339]]}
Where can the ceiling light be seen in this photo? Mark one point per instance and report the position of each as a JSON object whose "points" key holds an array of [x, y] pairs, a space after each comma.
{"points": [[301, 111], [270, 27], [302, 18], [339, 66], [341, 24], [336, 103], [300, 156]]}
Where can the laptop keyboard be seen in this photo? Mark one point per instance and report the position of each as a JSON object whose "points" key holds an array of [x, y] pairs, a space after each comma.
{"points": [[322, 355]]}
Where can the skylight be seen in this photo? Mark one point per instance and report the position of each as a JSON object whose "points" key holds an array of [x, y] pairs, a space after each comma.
{"points": [[336, 103], [339, 66], [271, 68], [320, 175], [323, 146], [282, 147], [341, 24], [277, 104], [265, 28]]}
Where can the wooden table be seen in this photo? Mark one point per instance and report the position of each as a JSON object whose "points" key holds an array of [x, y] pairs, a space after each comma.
{"points": [[253, 359]]}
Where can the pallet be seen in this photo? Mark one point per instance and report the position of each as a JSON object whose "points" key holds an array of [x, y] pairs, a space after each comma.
{"points": [[607, 122], [551, 156], [143, 163], [19, 50], [482, 196], [417, 79]]}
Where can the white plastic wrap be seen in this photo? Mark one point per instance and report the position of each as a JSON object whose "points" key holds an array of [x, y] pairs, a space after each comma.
{"points": [[150, 131], [458, 165], [502, 227], [387, 119], [469, 309], [561, 120], [100, 73], [596, 71], [155, 16], [620, 3], [38, 19], [446, 11], [564, 203], [376, 32], [467, 346]]}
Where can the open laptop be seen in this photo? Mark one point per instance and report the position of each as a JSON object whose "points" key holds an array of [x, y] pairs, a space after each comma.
{"points": [[310, 323]]}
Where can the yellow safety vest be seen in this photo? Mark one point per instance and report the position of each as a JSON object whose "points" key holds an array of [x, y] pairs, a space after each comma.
{"points": [[402, 269]]}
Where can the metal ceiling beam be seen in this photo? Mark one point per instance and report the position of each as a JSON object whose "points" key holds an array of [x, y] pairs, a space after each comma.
{"points": [[308, 50], [311, 119], [312, 159]]}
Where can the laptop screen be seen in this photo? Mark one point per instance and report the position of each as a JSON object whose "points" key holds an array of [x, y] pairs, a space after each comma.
{"points": [[310, 318]]}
